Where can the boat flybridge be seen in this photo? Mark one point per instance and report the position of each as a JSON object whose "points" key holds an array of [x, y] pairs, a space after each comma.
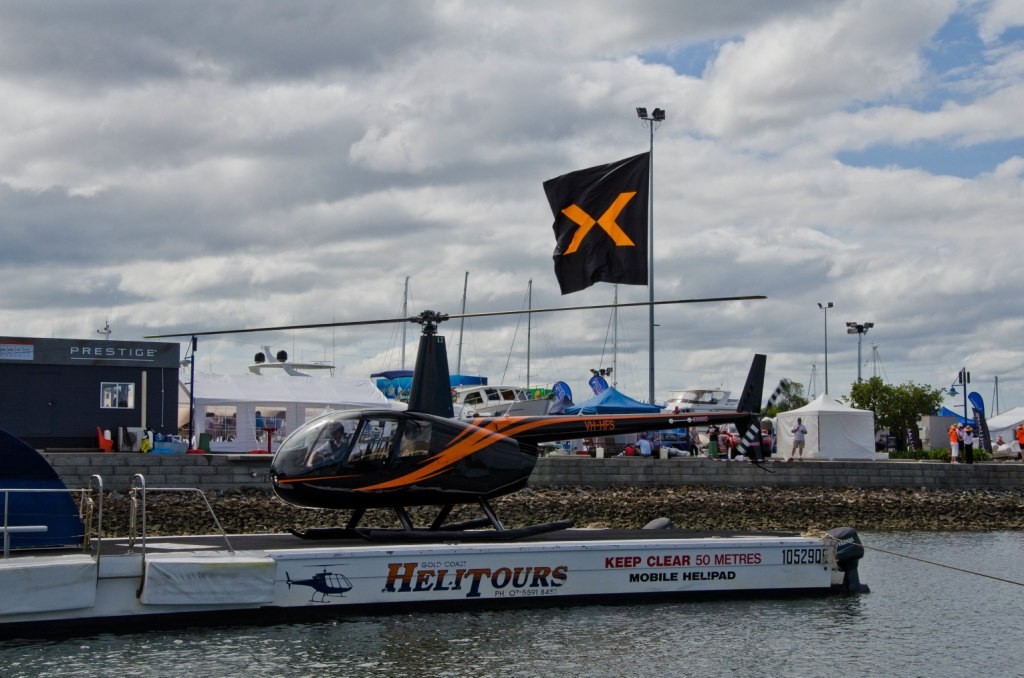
{"points": [[494, 401], [700, 399]]}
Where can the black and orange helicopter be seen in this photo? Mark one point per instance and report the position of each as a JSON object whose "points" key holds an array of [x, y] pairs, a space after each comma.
{"points": [[365, 459]]}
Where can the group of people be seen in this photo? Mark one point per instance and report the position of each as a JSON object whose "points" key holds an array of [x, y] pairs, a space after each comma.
{"points": [[1001, 445], [961, 436], [641, 449]]}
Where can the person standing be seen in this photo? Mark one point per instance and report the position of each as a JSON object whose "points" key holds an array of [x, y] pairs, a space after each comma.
{"points": [[954, 444], [968, 445], [713, 431], [1020, 439], [645, 445], [799, 437]]}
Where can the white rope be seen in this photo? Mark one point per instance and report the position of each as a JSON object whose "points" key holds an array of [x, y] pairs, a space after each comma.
{"points": [[826, 535]]}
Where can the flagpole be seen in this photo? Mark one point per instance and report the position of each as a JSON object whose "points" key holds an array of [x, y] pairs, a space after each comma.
{"points": [[656, 117]]}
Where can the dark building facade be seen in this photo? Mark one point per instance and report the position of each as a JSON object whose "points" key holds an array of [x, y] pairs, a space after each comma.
{"points": [[55, 393]]}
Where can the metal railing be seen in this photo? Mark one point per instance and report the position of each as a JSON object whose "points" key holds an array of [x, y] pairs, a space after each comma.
{"points": [[137, 518], [88, 508]]}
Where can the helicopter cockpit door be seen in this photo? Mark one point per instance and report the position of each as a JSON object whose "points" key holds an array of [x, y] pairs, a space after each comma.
{"points": [[375, 439], [385, 442]]}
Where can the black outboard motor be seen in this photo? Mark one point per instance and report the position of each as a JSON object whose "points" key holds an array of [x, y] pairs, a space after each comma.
{"points": [[848, 552]]}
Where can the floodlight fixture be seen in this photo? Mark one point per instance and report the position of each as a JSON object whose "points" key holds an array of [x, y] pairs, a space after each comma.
{"points": [[641, 112], [860, 329], [658, 114]]}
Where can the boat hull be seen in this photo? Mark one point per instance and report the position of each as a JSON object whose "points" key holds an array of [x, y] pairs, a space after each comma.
{"points": [[194, 580]]}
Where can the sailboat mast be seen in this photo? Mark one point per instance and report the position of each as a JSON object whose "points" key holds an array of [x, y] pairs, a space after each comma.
{"points": [[995, 397], [615, 336], [529, 328], [462, 324], [405, 314]]}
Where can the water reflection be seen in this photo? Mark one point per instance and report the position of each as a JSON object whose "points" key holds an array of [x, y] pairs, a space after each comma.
{"points": [[919, 620]]}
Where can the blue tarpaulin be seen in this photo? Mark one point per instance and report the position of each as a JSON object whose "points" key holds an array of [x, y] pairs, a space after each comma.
{"points": [[946, 412], [24, 468], [612, 401]]}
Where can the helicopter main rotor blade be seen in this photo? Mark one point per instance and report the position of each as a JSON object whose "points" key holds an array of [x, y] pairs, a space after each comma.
{"points": [[596, 306], [351, 323], [432, 316]]}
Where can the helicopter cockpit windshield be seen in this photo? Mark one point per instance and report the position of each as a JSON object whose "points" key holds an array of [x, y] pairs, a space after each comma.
{"points": [[345, 440]]}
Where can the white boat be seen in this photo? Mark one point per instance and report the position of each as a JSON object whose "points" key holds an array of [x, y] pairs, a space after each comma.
{"points": [[703, 399], [261, 361], [493, 401]]}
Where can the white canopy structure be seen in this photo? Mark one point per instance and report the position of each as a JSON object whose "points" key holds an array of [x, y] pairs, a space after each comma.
{"points": [[1005, 424], [239, 412], [834, 430]]}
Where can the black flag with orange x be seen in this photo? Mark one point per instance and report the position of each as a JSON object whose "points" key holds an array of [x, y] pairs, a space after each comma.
{"points": [[601, 224]]}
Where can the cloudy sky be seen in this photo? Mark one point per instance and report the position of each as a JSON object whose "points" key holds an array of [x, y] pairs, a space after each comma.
{"points": [[193, 166]]}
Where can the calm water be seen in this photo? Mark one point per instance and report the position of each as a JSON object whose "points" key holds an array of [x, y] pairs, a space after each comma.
{"points": [[919, 620]]}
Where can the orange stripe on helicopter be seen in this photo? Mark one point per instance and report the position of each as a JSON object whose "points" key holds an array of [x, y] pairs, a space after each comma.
{"points": [[285, 481], [481, 434]]}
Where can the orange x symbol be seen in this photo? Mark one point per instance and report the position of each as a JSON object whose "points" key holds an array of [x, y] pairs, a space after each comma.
{"points": [[606, 221]]}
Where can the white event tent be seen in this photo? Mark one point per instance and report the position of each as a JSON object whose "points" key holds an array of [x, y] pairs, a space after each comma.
{"points": [[1005, 424], [246, 408], [834, 430]]}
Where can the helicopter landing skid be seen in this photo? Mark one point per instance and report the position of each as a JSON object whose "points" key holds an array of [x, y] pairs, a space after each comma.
{"points": [[420, 535], [327, 533], [359, 533]]}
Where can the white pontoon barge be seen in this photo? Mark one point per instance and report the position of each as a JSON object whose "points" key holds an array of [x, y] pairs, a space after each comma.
{"points": [[143, 583]]}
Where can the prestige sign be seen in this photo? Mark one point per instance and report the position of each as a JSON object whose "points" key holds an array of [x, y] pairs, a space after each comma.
{"points": [[87, 352]]}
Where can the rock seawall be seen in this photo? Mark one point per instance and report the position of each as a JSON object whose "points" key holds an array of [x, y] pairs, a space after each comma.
{"points": [[761, 508]]}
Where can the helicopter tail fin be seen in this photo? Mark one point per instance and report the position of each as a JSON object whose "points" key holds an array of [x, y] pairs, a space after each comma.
{"points": [[750, 398], [750, 401]]}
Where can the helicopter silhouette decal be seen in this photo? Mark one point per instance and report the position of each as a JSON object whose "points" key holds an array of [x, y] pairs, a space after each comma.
{"points": [[324, 584], [423, 456]]}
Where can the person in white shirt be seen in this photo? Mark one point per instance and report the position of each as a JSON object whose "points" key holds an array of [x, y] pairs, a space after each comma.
{"points": [[799, 436], [645, 445], [969, 444]]}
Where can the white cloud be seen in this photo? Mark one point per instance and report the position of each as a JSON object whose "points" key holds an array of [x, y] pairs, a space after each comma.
{"points": [[247, 165]]}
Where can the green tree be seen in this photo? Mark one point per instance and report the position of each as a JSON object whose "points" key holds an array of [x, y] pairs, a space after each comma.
{"points": [[897, 408], [790, 398]]}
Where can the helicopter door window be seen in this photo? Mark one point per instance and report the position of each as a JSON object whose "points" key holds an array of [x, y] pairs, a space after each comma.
{"points": [[415, 440], [375, 440]]}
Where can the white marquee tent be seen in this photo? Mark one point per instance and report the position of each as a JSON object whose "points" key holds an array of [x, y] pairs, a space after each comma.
{"points": [[834, 430], [1006, 423], [249, 407]]}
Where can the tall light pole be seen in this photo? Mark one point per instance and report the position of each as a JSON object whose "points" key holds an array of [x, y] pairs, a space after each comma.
{"points": [[825, 307], [860, 329], [963, 378], [651, 121]]}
